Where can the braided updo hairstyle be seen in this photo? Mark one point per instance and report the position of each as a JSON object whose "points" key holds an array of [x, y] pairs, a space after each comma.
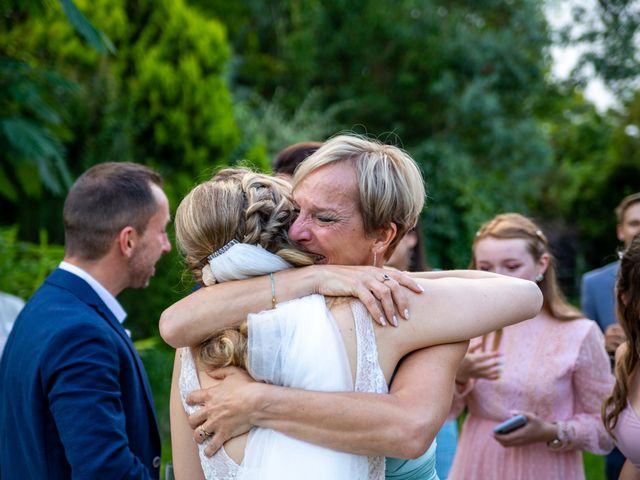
{"points": [[514, 225], [628, 310], [236, 204]]}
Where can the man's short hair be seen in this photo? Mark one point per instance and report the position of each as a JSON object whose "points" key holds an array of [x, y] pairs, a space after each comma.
{"points": [[625, 204], [105, 199], [288, 159]]}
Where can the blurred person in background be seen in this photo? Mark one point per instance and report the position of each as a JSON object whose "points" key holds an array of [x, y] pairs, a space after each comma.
{"points": [[552, 369], [597, 298], [597, 292], [620, 412], [287, 160], [10, 307]]}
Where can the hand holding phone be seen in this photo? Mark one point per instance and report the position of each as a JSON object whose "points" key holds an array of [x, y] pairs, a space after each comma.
{"points": [[510, 425]]}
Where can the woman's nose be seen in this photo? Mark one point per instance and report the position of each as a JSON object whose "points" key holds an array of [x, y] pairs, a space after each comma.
{"points": [[298, 232]]}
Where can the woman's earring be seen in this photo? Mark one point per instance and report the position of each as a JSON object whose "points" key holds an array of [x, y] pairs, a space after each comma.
{"points": [[539, 277], [375, 258]]}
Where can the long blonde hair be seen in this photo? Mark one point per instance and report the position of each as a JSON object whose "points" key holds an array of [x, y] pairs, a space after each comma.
{"points": [[628, 310], [514, 225], [236, 204]]}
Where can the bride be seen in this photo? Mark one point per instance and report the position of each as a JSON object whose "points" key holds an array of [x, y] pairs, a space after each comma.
{"points": [[235, 227]]}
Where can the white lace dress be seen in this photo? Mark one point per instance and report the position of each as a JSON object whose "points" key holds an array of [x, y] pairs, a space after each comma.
{"points": [[298, 345]]}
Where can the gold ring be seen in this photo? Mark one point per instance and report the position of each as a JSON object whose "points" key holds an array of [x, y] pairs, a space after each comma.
{"points": [[203, 432]]}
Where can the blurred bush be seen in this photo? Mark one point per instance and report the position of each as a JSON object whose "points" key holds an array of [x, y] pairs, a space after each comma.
{"points": [[24, 265]]}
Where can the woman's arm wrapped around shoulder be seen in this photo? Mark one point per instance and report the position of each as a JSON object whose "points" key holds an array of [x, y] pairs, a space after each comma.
{"points": [[209, 309], [401, 424]]}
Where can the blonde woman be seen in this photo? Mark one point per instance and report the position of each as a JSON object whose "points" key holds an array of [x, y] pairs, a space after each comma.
{"points": [[553, 369], [620, 410], [235, 226]]}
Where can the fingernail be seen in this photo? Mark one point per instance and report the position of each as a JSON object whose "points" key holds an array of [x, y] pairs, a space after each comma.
{"points": [[406, 313], [420, 288], [383, 322], [394, 320]]}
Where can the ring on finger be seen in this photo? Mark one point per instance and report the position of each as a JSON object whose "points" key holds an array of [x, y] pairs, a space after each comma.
{"points": [[385, 277], [203, 433]]}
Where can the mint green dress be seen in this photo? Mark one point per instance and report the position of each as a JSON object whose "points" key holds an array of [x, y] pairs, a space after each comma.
{"points": [[421, 468]]}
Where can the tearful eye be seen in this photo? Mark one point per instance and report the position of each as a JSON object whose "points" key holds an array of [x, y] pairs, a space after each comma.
{"points": [[326, 219]]}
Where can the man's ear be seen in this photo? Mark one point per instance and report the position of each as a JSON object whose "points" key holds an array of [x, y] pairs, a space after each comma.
{"points": [[127, 241], [383, 238], [619, 232]]}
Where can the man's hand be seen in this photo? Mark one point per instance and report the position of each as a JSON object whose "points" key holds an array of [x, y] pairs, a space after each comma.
{"points": [[536, 430], [226, 408], [478, 364], [613, 337]]}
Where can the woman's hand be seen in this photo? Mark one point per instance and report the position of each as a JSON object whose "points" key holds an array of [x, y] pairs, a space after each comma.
{"points": [[536, 430], [382, 291], [478, 364], [226, 408]]}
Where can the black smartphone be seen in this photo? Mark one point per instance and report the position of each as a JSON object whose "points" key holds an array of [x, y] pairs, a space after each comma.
{"points": [[510, 425]]}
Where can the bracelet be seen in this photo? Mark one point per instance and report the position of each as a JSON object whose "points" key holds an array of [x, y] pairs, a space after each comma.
{"points": [[555, 444], [273, 290], [560, 439]]}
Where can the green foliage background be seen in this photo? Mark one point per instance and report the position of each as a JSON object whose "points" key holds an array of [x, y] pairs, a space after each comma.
{"points": [[187, 86]]}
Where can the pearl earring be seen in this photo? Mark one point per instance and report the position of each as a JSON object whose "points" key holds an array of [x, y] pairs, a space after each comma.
{"points": [[539, 277]]}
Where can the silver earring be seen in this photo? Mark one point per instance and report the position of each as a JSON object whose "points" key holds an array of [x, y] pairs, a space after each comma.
{"points": [[375, 258], [539, 277]]}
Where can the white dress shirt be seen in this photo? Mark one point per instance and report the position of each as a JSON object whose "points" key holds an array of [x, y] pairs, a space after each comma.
{"points": [[108, 299]]}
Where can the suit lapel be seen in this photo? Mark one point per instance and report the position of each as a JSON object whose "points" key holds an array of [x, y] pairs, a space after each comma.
{"points": [[81, 289]]}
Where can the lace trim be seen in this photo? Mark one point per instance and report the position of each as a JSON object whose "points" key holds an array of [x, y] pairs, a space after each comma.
{"points": [[220, 465], [369, 376]]}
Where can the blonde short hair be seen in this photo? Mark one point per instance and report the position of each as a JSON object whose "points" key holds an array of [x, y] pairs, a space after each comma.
{"points": [[390, 185]]}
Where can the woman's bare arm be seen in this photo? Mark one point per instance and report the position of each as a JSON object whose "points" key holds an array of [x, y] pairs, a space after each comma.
{"points": [[629, 472], [194, 318], [401, 424], [186, 460], [458, 308], [468, 274]]}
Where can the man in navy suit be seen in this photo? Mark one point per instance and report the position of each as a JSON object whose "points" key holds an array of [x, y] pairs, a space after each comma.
{"points": [[75, 401], [597, 294], [598, 299]]}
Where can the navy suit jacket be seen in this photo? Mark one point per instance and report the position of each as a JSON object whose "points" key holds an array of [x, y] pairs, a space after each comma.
{"points": [[597, 295], [75, 401]]}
